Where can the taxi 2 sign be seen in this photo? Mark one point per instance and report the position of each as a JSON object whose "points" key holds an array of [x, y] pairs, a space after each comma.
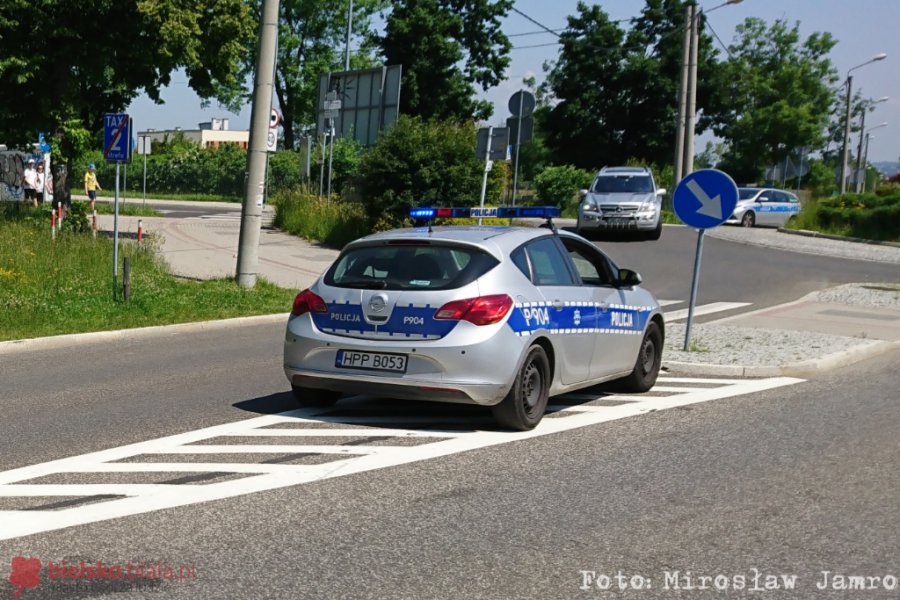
{"points": [[117, 137]]}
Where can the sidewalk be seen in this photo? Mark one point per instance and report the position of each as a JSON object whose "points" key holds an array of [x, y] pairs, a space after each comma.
{"points": [[206, 247], [820, 331]]}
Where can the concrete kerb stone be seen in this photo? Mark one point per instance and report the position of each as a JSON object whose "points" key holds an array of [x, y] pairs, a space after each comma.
{"points": [[862, 351], [75, 339], [840, 238]]}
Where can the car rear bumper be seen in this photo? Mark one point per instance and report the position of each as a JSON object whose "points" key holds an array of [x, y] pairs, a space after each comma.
{"points": [[444, 370]]}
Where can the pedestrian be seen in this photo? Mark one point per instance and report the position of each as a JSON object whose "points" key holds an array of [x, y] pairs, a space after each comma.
{"points": [[40, 184], [29, 185], [91, 185]]}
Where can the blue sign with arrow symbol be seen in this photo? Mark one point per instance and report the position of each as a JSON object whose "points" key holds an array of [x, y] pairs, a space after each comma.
{"points": [[705, 198]]}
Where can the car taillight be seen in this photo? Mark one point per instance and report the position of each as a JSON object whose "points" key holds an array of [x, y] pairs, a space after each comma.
{"points": [[306, 301], [483, 310]]}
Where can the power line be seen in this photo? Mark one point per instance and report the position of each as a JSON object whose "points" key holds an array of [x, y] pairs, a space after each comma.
{"points": [[541, 25], [716, 35], [536, 46], [533, 32]]}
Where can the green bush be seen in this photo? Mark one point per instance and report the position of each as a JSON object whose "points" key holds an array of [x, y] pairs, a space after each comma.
{"points": [[868, 216], [334, 223], [424, 163], [558, 186]]}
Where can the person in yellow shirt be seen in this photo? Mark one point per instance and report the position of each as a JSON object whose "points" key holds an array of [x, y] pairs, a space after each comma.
{"points": [[91, 185]]}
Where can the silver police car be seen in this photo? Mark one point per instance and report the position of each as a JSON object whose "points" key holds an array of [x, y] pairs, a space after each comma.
{"points": [[498, 316], [764, 206]]}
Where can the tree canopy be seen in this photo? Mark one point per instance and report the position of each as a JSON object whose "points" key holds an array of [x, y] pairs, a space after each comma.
{"points": [[311, 41], [777, 95], [617, 91], [64, 64], [447, 48]]}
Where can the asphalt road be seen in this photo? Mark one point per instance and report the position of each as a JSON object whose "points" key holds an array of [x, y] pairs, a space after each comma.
{"points": [[791, 481], [733, 272]]}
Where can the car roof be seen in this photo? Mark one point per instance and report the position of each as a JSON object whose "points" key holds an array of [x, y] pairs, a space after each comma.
{"points": [[759, 189], [498, 240], [624, 171]]}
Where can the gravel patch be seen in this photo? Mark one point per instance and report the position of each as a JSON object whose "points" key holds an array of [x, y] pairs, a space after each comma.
{"points": [[724, 345], [772, 238], [880, 295]]}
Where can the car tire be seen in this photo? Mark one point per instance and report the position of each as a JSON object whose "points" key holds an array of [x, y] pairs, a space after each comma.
{"points": [[524, 406], [749, 219], [649, 359], [313, 397], [656, 233]]}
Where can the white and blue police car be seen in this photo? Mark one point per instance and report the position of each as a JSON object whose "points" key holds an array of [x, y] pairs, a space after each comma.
{"points": [[764, 206], [497, 316]]}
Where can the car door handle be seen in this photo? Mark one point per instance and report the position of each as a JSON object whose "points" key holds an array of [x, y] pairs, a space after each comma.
{"points": [[557, 304], [603, 306]]}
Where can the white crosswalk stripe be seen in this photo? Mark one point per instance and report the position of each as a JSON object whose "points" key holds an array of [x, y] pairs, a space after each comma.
{"points": [[365, 438], [702, 309]]}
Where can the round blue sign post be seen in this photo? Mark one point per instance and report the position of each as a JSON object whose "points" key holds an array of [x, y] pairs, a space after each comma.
{"points": [[703, 199]]}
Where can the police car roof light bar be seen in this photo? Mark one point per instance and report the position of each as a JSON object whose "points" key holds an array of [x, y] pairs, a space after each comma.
{"points": [[503, 212]]}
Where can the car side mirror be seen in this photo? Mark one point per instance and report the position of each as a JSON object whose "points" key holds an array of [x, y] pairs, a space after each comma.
{"points": [[628, 278], [582, 193], [762, 199], [661, 192]]}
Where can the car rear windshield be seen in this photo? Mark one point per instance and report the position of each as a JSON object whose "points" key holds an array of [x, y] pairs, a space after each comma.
{"points": [[401, 266], [616, 184]]}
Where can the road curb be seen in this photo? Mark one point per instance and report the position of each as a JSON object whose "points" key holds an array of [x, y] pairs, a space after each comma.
{"points": [[75, 339], [811, 366], [840, 238]]}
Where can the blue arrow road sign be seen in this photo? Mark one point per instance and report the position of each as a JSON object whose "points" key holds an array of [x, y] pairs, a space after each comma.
{"points": [[705, 198], [116, 137]]}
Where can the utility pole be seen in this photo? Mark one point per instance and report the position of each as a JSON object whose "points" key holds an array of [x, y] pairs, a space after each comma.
{"points": [[682, 93], [349, 29], [692, 94], [254, 191]]}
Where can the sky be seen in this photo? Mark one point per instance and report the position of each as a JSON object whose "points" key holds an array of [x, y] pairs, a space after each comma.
{"points": [[862, 28]]}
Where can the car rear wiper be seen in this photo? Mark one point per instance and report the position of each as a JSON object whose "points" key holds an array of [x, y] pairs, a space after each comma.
{"points": [[363, 284]]}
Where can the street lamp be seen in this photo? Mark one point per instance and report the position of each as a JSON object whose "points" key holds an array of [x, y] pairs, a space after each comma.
{"points": [[866, 157], [860, 163], [844, 157]]}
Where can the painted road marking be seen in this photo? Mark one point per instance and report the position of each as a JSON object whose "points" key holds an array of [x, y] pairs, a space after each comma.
{"points": [[111, 501], [704, 309]]}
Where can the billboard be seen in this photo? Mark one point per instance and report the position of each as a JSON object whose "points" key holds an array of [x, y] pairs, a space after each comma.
{"points": [[360, 103]]}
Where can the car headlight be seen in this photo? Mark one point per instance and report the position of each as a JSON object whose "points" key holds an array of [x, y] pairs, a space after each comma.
{"points": [[648, 206], [589, 204]]}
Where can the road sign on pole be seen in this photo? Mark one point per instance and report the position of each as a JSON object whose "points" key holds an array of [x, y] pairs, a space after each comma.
{"points": [[499, 140], [117, 137], [703, 199]]}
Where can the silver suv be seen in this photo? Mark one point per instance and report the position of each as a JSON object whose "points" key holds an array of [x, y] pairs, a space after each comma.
{"points": [[622, 199]]}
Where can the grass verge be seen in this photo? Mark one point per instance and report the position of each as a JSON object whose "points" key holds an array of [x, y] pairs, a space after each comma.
{"points": [[64, 286], [133, 195], [128, 209]]}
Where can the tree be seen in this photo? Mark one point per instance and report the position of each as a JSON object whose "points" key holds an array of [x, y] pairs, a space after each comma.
{"points": [[447, 47], [311, 41], [776, 95], [617, 92], [64, 64], [421, 162]]}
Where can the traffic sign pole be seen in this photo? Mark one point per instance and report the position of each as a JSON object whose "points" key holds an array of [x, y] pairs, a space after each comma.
{"points": [[116, 234], [487, 168], [703, 199], [694, 282]]}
